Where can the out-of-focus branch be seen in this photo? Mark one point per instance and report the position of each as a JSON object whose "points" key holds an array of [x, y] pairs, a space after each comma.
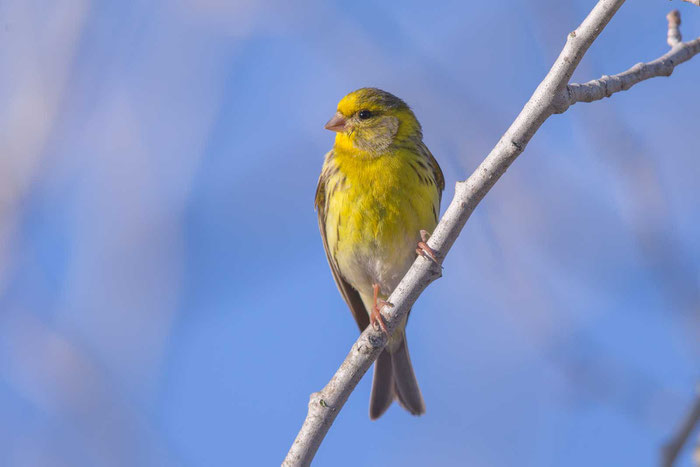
{"points": [[694, 2], [673, 447], [551, 96]]}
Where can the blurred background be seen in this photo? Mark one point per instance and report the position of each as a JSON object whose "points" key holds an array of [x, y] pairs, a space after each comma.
{"points": [[164, 295]]}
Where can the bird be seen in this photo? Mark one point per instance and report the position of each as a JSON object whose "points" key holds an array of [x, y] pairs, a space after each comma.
{"points": [[378, 198]]}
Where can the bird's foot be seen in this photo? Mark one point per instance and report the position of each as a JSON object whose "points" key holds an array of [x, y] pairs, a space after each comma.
{"points": [[424, 250], [375, 317]]}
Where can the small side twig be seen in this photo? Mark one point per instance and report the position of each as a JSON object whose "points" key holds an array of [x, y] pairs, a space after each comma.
{"points": [[674, 33], [606, 86]]}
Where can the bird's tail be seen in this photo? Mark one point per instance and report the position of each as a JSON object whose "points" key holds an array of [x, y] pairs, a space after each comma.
{"points": [[394, 379]]}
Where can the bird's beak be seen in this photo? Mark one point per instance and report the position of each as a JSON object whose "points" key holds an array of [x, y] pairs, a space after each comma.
{"points": [[337, 123]]}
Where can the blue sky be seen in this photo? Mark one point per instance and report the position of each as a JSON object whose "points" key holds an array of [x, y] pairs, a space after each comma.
{"points": [[164, 295]]}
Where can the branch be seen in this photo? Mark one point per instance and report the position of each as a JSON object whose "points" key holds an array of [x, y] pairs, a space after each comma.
{"points": [[551, 96], [673, 447], [608, 85]]}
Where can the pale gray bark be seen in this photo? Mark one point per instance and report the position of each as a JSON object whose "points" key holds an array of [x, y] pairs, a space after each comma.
{"points": [[551, 96], [609, 85]]}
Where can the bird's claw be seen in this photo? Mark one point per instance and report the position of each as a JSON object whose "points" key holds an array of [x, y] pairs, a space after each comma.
{"points": [[375, 318], [424, 250]]}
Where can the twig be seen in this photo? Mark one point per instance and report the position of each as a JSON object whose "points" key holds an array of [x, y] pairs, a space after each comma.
{"points": [[608, 85], [674, 33], [673, 447], [551, 96]]}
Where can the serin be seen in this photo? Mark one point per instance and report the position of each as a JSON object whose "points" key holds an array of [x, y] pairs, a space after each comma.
{"points": [[378, 194]]}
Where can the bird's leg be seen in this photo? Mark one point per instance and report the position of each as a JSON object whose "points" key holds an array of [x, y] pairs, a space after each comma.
{"points": [[375, 317], [424, 250]]}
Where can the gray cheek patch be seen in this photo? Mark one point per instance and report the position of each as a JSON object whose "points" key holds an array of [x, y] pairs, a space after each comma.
{"points": [[380, 137]]}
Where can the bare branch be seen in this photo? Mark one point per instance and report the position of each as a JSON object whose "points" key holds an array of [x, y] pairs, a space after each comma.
{"points": [[694, 2], [663, 66], [551, 96], [609, 85], [673, 447]]}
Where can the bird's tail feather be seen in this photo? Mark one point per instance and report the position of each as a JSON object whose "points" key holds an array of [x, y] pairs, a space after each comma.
{"points": [[407, 390], [382, 394], [394, 378]]}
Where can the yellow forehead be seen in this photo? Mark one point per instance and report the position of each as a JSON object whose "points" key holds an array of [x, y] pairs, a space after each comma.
{"points": [[368, 98], [353, 103]]}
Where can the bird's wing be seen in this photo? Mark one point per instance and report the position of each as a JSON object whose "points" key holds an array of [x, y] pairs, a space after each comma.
{"points": [[435, 167], [349, 293]]}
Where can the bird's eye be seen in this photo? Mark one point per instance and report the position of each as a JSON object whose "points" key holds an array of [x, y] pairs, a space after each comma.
{"points": [[364, 114]]}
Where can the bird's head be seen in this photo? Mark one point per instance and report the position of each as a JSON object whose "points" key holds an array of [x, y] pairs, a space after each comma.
{"points": [[371, 120]]}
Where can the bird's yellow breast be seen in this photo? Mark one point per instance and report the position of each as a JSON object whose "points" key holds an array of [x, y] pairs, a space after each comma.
{"points": [[376, 208]]}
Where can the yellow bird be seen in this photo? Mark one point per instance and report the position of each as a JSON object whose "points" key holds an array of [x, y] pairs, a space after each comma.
{"points": [[378, 195]]}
